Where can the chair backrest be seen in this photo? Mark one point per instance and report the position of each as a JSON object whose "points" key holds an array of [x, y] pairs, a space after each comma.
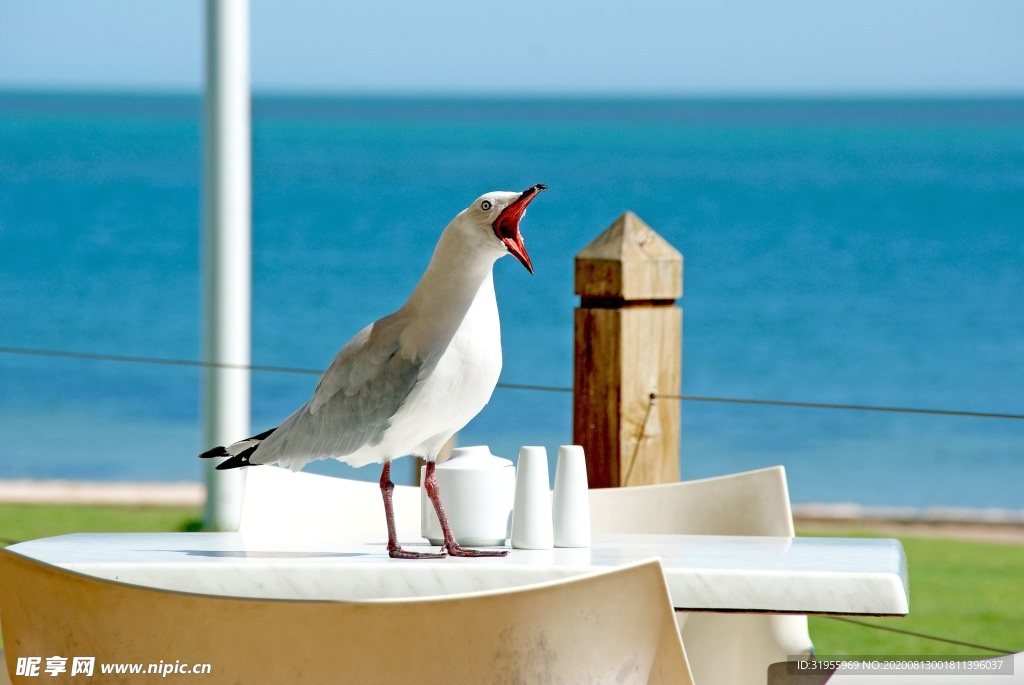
{"points": [[722, 648], [612, 626], [278, 501], [750, 503]]}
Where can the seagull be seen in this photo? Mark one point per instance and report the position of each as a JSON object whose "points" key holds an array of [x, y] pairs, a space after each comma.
{"points": [[405, 384]]}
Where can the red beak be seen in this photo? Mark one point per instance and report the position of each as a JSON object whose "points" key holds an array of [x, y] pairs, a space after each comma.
{"points": [[506, 226]]}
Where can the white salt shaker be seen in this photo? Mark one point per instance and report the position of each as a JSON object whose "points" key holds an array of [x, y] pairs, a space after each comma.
{"points": [[531, 512], [571, 507]]}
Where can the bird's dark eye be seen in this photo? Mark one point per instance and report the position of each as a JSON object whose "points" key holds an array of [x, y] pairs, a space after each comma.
{"points": [[485, 205]]}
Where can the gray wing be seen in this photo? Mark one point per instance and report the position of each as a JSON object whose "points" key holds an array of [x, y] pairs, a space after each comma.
{"points": [[355, 399]]}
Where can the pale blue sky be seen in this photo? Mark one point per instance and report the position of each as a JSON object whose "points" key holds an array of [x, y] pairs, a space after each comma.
{"points": [[813, 47]]}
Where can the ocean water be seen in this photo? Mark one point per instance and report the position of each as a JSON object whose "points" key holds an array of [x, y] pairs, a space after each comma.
{"points": [[844, 252]]}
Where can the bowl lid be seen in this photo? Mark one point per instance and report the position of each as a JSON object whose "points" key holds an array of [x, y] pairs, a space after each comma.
{"points": [[475, 457]]}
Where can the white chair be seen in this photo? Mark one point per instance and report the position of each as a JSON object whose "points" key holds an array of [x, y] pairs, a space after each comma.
{"points": [[722, 648], [614, 626], [276, 502]]}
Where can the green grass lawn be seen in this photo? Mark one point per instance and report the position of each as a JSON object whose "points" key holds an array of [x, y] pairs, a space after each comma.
{"points": [[19, 522], [965, 591]]}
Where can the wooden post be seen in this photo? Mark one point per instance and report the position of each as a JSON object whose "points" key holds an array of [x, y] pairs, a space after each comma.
{"points": [[629, 336]]}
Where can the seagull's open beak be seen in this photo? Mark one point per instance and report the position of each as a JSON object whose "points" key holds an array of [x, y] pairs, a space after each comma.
{"points": [[506, 226]]}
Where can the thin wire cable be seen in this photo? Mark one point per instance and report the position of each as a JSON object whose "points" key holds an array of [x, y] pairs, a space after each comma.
{"points": [[217, 365], [639, 439], [508, 386], [921, 635], [850, 407], [155, 360], [541, 388]]}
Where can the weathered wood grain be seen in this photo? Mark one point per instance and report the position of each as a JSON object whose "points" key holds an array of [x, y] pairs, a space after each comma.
{"points": [[628, 334]]}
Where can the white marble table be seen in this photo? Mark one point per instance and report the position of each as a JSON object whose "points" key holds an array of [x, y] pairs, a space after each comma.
{"points": [[704, 573]]}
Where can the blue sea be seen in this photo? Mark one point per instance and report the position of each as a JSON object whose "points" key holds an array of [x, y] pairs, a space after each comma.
{"points": [[854, 252]]}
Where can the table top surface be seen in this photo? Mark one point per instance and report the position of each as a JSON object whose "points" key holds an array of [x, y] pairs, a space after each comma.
{"points": [[703, 572]]}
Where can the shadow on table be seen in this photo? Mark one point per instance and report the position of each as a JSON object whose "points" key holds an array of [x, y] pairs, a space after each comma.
{"points": [[251, 554]]}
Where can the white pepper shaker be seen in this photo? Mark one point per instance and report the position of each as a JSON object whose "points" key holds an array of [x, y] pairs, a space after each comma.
{"points": [[571, 505], [531, 512]]}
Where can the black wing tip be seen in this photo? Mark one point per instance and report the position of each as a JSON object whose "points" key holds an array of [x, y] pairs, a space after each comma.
{"points": [[238, 461], [222, 451], [219, 451], [233, 463]]}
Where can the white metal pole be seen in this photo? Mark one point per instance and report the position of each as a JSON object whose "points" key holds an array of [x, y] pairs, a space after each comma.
{"points": [[227, 249]]}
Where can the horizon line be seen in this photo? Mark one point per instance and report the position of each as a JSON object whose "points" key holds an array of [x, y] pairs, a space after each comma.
{"points": [[577, 95]]}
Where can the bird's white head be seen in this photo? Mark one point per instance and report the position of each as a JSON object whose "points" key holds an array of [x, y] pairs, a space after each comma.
{"points": [[497, 215]]}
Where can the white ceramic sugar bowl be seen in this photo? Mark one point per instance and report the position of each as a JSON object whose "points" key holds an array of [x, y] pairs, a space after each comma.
{"points": [[477, 490]]}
